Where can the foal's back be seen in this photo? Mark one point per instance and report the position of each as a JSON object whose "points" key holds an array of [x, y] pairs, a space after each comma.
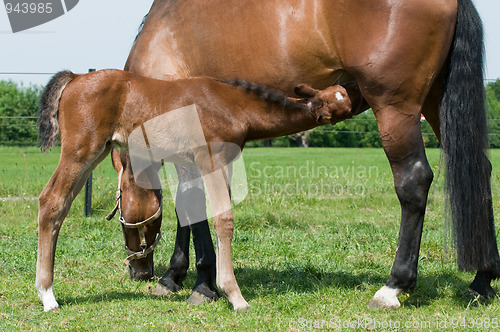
{"points": [[115, 102]]}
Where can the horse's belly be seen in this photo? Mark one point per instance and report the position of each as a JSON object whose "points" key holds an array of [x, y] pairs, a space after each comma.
{"points": [[279, 44]]}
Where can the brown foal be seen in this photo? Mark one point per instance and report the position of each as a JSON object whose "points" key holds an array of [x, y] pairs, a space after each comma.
{"points": [[96, 111]]}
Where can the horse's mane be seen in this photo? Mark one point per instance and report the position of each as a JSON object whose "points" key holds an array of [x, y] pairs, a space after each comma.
{"points": [[265, 93], [139, 29]]}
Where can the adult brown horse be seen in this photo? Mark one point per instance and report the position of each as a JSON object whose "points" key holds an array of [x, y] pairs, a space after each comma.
{"points": [[406, 57]]}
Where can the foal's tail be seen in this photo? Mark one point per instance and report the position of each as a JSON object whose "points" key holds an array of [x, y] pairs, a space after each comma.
{"points": [[465, 143], [48, 109]]}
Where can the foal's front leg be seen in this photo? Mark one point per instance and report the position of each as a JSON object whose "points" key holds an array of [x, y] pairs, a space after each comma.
{"points": [[220, 203]]}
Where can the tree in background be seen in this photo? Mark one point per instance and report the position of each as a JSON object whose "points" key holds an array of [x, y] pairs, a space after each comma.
{"points": [[17, 101], [493, 102]]}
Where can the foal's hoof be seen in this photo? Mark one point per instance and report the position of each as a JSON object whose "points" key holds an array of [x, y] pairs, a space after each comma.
{"points": [[244, 307]]}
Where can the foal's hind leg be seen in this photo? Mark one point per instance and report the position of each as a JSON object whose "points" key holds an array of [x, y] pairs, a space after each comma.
{"points": [[54, 204], [220, 203]]}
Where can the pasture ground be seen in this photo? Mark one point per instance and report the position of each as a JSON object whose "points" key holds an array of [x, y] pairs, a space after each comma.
{"points": [[314, 240]]}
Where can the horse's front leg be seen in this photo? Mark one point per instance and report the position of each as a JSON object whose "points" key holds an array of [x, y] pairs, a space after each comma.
{"points": [[191, 215], [220, 204], [171, 281], [402, 142]]}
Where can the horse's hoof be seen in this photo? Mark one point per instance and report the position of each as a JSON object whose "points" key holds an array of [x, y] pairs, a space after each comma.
{"points": [[385, 298], [376, 304], [487, 294], [48, 300], [481, 287], [51, 309], [161, 290], [202, 294], [197, 298], [244, 307]]}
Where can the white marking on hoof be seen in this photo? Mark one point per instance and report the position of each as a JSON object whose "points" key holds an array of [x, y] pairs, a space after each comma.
{"points": [[339, 96], [386, 298], [48, 300]]}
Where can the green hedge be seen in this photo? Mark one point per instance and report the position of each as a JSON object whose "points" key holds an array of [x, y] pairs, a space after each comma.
{"points": [[19, 101]]}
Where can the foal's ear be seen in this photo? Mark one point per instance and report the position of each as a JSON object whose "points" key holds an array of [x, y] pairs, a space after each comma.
{"points": [[115, 158], [303, 90]]}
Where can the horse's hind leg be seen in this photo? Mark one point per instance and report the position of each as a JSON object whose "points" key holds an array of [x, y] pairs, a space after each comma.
{"points": [[402, 142], [482, 282], [54, 204]]}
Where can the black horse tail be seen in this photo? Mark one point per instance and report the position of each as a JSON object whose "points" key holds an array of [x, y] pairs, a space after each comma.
{"points": [[268, 95], [464, 139], [48, 109]]}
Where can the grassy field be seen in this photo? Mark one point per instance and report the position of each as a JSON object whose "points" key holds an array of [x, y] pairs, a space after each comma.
{"points": [[314, 240]]}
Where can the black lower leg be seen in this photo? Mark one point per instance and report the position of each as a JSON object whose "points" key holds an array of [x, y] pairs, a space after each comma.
{"points": [[412, 185], [205, 261], [481, 286], [179, 263]]}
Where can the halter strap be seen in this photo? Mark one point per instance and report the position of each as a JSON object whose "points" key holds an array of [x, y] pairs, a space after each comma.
{"points": [[142, 223], [139, 226], [118, 197], [141, 254]]}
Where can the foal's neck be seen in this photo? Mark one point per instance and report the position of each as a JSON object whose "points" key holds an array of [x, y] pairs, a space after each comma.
{"points": [[269, 120], [271, 113]]}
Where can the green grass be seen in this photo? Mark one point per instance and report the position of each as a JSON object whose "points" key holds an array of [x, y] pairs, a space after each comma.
{"points": [[314, 240]]}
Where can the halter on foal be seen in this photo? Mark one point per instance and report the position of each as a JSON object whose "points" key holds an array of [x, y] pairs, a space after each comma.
{"points": [[99, 110], [140, 218]]}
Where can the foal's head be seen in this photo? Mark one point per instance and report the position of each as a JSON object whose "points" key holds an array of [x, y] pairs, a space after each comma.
{"points": [[140, 215], [330, 105]]}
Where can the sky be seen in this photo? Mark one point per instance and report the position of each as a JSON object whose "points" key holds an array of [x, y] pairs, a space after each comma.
{"points": [[99, 34]]}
